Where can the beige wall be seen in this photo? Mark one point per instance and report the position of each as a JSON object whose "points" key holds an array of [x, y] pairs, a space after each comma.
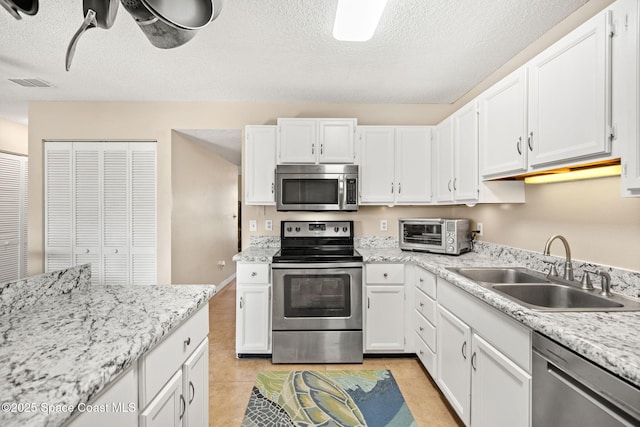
{"points": [[601, 226], [155, 121], [204, 219], [14, 137]]}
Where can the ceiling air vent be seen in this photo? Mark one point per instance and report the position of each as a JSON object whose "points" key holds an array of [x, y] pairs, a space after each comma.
{"points": [[31, 82]]}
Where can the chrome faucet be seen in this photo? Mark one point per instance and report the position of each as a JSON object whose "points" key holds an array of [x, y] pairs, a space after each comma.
{"points": [[605, 282], [568, 266]]}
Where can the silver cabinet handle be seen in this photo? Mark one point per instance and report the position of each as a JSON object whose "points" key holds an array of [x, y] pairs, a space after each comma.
{"points": [[530, 141], [192, 391], [272, 188], [368, 302], [455, 181], [449, 186], [421, 329], [421, 304], [187, 341], [464, 350], [473, 360], [421, 353], [399, 187], [313, 149], [87, 251], [392, 188], [421, 280], [518, 145], [183, 405], [241, 302], [385, 275], [254, 274], [321, 149], [115, 251]]}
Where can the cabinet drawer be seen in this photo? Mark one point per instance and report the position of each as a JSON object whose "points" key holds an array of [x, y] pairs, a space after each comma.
{"points": [[426, 282], [252, 273], [162, 362], [384, 273], [426, 306], [425, 330], [426, 356]]}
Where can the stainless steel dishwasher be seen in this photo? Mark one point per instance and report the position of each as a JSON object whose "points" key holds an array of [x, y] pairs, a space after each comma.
{"points": [[569, 390]]}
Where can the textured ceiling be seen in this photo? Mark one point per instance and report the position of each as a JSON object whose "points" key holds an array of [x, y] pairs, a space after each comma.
{"points": [[273, 51]]}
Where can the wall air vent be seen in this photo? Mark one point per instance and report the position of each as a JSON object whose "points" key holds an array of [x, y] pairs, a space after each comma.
{"points": [[31, 82]]}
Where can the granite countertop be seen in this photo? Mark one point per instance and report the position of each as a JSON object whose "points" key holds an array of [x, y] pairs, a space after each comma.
{"points": [[610, 339], [64, 349]]}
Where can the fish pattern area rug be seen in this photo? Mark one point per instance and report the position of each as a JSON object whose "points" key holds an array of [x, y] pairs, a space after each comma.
{"points": [[327, 399]]}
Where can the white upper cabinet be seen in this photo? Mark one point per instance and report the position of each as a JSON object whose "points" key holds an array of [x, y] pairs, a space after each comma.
{"points": [[395, 164], [260, 165], [316, 140], [503, 126], [626, 91], [570, 96], [443, 161], [465, 137]]}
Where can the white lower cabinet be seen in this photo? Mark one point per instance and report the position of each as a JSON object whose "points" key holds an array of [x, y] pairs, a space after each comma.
{"points": [[384, 318], [253, 308], [174, 377], [483, 361]]}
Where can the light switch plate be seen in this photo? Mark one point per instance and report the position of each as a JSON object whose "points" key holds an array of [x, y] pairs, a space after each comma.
{"points": [[253, 225], [268, 225]]}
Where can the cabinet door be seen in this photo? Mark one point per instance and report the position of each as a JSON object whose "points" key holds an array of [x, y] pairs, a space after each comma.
{"points": [[453, 367], [13, 217], [87, 204], [413, 162], [443, 161], [168, 407], [626, 91], [465, 131], [260, 165], [384, 318], [253, 318], [376, 164], [503, 126], [569, 97], [297, 141], [196, 386], [500, 390], [115, 213], [336, 139], [143, 213]]}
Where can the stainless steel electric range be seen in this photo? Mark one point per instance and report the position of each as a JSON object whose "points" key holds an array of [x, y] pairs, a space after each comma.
{"points": [[317, 294]]}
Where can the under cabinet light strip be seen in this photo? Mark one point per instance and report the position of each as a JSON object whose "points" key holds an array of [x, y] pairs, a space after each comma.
{"points": [[598, 172]]}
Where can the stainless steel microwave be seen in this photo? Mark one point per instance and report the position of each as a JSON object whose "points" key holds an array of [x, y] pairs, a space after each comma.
{"points": [[317, 187], [437, 235]]}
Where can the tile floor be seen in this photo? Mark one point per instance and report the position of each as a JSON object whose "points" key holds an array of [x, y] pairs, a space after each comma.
{"points": [[231, 379]]}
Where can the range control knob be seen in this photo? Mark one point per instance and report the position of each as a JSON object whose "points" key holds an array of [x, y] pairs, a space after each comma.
{"points": [[297, 229], [336, 229], [289, 229]]}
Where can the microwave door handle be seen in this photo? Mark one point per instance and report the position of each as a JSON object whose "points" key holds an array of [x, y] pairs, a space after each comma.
{"points": [[342, 194]]}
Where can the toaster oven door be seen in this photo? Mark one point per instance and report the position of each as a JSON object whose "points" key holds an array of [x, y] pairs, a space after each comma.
{"points": [[426, 236]]}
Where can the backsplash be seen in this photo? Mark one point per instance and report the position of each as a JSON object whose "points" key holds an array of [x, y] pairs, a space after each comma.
{"points": [[18, 294]]}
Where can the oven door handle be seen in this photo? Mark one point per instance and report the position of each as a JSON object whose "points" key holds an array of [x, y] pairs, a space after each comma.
{"points": [[320, 266]]}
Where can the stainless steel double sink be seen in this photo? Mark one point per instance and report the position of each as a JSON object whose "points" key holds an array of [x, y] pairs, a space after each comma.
{"points": [[538, 292]]}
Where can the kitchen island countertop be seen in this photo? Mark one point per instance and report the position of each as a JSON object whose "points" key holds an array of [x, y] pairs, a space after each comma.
{"points": [[64, 349]]}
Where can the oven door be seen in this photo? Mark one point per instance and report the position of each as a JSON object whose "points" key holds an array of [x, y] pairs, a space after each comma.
{"points": [[317, 297], [310, 192]]}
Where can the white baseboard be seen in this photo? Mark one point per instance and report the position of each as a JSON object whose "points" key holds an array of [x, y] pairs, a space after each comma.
{"points": [[225, 282]]}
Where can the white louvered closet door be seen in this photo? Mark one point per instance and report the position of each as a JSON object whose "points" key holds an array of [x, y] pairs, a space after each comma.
{"points": [[115, 213], [13, 217], [58, 195], [87, 221], [143, 213]]}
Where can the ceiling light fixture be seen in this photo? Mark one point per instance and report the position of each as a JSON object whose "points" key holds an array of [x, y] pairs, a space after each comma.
{"points": [[356, 20], [597, 172]]}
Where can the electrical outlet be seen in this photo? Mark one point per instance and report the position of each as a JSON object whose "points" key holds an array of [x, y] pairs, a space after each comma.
{"points": [[253, 225], [221, 264], [268, 225], [479, 228], [383, 225]]}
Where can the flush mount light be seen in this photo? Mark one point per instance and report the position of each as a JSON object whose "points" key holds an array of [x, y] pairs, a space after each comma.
{"points": [[574, 175], [356, 20]]}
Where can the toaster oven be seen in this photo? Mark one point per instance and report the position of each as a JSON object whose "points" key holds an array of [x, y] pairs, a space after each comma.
{"points": [[437, 235]]}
